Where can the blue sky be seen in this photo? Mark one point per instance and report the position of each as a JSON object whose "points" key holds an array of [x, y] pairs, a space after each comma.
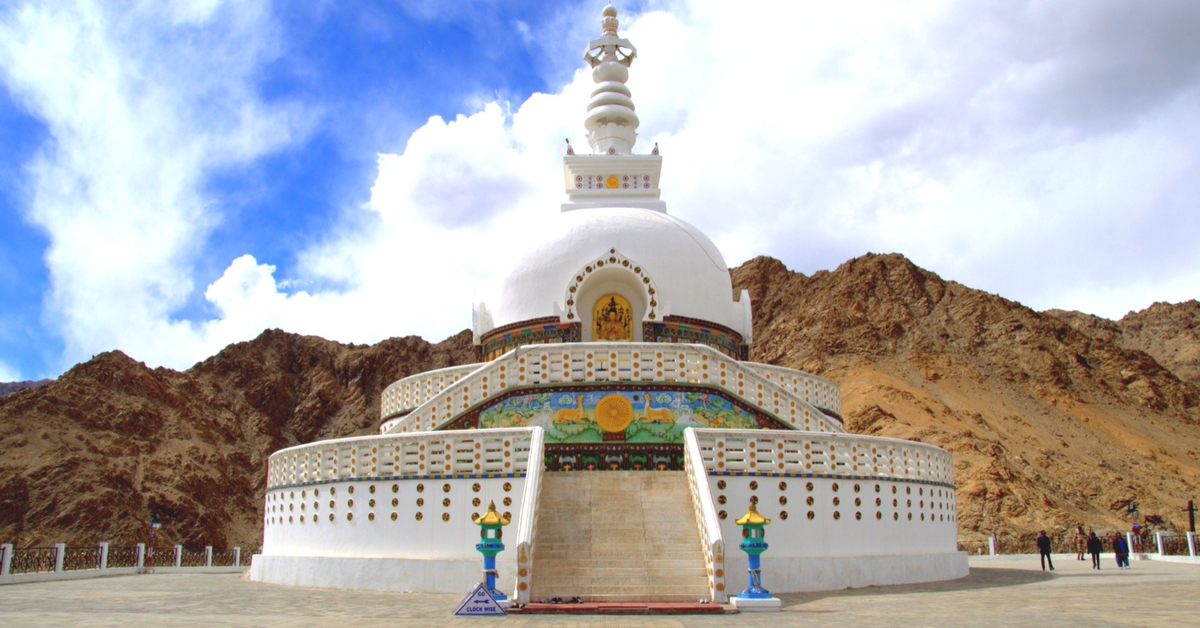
{"points": [[178, 176]]}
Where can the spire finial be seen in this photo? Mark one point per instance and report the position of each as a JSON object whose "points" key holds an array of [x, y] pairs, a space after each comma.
{"points": [[609, 22], [611, 122]]}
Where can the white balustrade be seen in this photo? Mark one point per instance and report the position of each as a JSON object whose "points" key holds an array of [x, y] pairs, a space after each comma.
{"points": [[527, 523], [414, 390], [818, 391], [777, 451], [614, 362], [706, 515], [450, 452]]}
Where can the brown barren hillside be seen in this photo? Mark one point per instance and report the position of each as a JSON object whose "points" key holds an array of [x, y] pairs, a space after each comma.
{"points": [[1169, 332], [1049, 425], [87, 457]]}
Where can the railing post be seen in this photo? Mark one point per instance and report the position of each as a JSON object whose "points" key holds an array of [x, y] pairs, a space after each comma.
{"points": [[104, 555], [178, 555], [237, 557], [1129, 544], [208, 556], [141, 555], [6, 560], [991, 545], [1191, 536], [60, 552], [1158, 540]]}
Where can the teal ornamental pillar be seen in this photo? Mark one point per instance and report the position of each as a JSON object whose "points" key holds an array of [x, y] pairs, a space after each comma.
{"points": [[489, 545], [755, 597]]}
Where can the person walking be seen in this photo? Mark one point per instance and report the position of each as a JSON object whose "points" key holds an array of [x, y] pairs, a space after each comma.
{"points": [[1121, 550], [1081, 539], [1094, 547], [1043, 545]]}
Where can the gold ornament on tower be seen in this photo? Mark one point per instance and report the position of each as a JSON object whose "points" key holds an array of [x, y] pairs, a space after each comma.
{"points": [[614, 413], [612, 319]]}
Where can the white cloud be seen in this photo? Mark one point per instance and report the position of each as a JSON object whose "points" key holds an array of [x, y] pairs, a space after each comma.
{"points": [[8, 373], [141, 102], [1018, 148]]}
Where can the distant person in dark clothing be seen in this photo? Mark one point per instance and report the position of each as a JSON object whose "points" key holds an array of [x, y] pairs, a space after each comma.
{"points": [[1121, 550], [1094, 547], [1043, 544]]}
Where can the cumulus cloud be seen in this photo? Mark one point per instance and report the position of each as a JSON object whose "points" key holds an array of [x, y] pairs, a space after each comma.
{"points": [[1041, 150], [142, 101], [8, 373]]}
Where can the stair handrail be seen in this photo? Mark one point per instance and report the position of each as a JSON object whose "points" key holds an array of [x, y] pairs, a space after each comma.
{"points": [[706, 515], [529, 509]]}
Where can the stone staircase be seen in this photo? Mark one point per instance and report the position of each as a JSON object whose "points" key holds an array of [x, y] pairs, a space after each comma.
{"points": [[617, 536]]}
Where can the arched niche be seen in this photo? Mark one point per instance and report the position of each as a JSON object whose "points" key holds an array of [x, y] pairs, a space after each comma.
{"points": [[608, 274]]}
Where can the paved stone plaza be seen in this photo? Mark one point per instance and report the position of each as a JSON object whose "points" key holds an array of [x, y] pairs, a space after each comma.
{"points": [[997, 593]]}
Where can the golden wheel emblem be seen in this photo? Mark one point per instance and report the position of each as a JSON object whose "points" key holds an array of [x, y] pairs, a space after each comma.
{"points": [[611, 183], [614, 413]]}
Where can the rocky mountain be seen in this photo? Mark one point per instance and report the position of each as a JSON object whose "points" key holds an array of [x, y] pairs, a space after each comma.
{"points": [[1053, 418], [1051, 422], [89, 456], [11, 387], [1169, 332]]}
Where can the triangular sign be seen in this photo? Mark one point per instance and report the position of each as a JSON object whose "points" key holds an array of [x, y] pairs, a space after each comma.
{"points": [[479, 602]]}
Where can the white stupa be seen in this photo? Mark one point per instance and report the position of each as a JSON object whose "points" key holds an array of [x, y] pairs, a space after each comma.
{"points": [[614, 418]]}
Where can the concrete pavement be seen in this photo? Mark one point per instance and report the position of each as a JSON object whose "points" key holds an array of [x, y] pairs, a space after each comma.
{"points": [[997, 593]]}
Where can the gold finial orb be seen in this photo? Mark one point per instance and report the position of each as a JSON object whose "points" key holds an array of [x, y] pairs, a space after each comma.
{"points": [[610, 11]]}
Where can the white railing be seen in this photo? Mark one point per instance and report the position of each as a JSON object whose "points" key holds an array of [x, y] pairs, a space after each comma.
{"points": [[818, 391], [779, 451], [529, 509], [450, 452], [706, 515], [615, 362], [414, 390]]}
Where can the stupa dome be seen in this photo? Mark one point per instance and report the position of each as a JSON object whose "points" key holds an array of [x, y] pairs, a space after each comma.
{"points": [[614, 265], [660, 264]]}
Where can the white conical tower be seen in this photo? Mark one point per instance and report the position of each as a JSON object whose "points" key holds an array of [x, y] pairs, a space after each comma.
{"points": [[612, 176], [611, 122]]}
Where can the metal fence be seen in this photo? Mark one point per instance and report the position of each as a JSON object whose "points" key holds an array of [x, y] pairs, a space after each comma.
{"points": [[1059, 544], [79, 558], [1174, 544], [248, 555], [223, 558], [122, 557], [191, 558], [32, 560]]}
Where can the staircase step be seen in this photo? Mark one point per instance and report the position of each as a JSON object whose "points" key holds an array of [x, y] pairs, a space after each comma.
{"points": [[624, 536]]}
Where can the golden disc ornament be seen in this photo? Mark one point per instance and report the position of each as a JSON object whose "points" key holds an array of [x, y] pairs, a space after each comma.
{"points": [[614, 413]]}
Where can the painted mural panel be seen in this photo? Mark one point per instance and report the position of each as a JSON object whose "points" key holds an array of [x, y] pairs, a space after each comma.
{"points": [[633, 416]]}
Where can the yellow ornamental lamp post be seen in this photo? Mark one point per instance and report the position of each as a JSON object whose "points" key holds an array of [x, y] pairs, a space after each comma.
{"points": [[490, 533], [754, 597]]}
